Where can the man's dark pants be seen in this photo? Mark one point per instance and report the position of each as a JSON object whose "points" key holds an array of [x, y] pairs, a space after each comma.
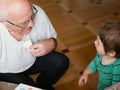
{"points": [[51, 68]]}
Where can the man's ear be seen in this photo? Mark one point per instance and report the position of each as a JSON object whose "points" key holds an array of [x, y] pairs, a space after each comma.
{"points": [[1, 20], [111, 53]]}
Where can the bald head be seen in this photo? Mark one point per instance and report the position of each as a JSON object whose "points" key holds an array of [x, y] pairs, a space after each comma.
{"points": [[15, 9]]}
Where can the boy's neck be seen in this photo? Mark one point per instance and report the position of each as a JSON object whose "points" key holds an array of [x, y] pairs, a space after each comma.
{"points": [[107, 60]]}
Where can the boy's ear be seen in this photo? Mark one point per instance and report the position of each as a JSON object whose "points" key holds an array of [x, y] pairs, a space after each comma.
{"points": [[111, 53]]}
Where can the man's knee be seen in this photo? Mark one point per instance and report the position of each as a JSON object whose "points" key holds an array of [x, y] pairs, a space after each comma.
{"points": [[62, 62]]}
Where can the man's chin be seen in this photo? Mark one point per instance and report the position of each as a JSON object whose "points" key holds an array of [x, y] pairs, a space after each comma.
{"points": [[27, 31]]}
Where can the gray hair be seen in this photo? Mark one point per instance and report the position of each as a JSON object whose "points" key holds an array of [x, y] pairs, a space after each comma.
{"points": [[2, 10]]}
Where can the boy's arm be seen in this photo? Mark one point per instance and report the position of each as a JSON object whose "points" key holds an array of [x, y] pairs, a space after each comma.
{"points": [[83, 79], [91, 68]]}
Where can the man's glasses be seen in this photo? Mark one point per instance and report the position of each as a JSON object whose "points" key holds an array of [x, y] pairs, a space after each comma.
{"points": [[23, 25]]}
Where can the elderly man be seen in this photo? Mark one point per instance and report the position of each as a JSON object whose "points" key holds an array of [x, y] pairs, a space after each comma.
{"points": [[27, 43]]}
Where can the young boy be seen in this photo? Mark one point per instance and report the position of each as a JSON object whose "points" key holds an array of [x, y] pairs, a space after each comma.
{"points": [[107, 60]]}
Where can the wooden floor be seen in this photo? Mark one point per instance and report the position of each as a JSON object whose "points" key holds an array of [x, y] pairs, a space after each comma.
{"points": [[76, 22]]}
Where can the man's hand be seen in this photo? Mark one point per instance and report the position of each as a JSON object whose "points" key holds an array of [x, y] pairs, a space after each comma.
{"points": [[43, 47]]}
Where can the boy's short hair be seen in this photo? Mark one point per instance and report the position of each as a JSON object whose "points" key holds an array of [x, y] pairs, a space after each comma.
{"points": [[109, 34]]}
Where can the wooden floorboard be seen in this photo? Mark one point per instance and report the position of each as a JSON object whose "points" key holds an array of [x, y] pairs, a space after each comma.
{"points": [[77, 22]]}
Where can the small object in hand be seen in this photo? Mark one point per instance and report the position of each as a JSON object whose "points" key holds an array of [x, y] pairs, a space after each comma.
{"points": [[27, 44]]}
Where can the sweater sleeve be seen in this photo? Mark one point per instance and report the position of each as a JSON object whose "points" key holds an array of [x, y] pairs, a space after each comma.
{"points": [[94, 63]]}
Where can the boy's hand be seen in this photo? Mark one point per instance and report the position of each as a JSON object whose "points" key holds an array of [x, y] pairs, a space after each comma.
{"points": [[83, 80]]}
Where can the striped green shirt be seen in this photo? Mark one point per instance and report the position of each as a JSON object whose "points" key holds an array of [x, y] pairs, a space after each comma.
{"points": [[108, 74]]}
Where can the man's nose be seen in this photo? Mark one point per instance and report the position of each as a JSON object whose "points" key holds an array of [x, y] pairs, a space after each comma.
{"points": [[31, 23]]}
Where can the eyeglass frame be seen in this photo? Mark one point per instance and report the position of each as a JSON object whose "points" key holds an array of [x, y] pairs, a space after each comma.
{"points": [[31, 18]]}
